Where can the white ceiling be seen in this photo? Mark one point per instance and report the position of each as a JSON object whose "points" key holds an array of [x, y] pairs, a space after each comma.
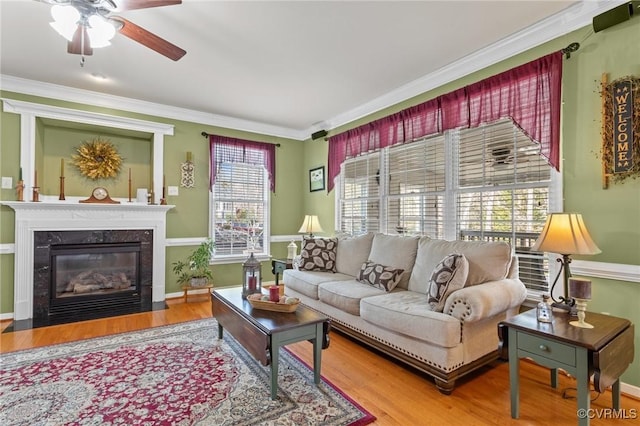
{"points": [[282, 68]]}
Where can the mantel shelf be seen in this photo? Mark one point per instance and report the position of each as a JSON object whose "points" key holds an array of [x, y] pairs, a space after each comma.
{"points": [[75, 205]]}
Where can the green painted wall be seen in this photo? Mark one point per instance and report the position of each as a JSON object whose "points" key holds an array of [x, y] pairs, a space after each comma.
{"points": [[612, 215], [61, 143]]}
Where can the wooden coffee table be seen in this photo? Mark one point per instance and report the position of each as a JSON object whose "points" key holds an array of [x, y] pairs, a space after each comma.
{"points": [[262, 332]]}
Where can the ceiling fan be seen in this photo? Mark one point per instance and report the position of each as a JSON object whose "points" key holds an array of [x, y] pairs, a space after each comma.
{"points": [[89, 24]]}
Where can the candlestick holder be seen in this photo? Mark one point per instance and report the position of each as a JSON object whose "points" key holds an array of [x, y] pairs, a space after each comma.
{"points": [[581, 305], [61, 197], [163, 201], [35, 194], [20, 190]]}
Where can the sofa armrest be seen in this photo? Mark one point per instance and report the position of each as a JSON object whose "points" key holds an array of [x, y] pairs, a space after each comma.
{"points": [[485, 300]]}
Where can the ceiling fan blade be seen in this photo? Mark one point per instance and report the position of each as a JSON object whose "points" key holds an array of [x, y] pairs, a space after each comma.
{"points": [[75, 45], [146, 38], [143, 4]]}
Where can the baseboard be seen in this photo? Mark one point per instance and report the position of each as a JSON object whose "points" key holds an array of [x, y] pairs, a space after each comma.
{"points": [[630, 390]]}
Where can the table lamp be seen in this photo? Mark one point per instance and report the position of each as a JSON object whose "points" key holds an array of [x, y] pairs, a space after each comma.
{"points": [[310, 225], [565, 234]]}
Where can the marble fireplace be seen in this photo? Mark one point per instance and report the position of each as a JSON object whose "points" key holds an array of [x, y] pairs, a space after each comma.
{"points": [[109, 259]]}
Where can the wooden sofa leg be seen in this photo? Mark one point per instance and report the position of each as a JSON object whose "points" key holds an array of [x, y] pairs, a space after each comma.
{"points": [[445, 387]]}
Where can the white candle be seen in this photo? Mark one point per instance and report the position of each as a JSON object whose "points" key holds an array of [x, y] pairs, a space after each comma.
{"points": [[580, 288]]}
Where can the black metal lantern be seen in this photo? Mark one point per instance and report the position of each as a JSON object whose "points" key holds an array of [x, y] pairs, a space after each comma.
{"points": [[251, 276]]}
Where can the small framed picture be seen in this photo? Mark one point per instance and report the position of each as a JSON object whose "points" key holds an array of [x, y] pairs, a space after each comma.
{"points": [[316, 179]]}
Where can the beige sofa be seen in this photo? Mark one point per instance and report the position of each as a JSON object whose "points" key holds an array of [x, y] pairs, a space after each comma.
{"points": [[402, 320]]}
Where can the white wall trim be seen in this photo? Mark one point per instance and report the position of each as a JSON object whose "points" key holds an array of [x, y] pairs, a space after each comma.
{"points": [[185, 242], [194, 241], [285, 238], [630, 390], [611, 271], [7, 248]]}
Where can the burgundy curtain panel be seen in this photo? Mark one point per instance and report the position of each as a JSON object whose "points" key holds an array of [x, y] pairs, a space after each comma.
{"points": [[241, 151], [530, 95]]}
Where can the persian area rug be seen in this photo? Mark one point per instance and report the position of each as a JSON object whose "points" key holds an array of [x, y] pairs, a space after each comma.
{"points": [[179, 374]]}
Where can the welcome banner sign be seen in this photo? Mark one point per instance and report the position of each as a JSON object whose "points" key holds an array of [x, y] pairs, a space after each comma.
{"points": [[622, 126], [620, 150]]}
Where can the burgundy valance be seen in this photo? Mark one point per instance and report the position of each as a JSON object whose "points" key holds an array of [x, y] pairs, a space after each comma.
{"points": [[529, 94], [241, 151]]}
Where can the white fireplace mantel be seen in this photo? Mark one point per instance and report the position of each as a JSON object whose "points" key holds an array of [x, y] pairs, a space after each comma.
{"points": [[70, 216]]}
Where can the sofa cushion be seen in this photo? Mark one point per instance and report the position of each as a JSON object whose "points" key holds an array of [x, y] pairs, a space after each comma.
{"points": [[408, 313], [396, 251], [352, 253], [488, 261], [346, 295], [306, 282], [448, 276], [318, 254], [383, 277]]}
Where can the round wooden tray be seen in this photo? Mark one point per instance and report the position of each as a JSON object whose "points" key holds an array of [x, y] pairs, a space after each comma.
{"points": [[273, 306]]}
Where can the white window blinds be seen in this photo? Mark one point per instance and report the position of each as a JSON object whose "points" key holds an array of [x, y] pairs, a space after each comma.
{"points": [[360, 195], [415, 188], [503, 193], [240, 210]]}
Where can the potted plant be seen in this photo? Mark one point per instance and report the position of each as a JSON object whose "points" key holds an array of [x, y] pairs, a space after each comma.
{"points": [[194, 270]]}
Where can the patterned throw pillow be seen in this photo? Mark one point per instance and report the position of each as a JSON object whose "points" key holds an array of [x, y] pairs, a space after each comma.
{"points": [[318, 254], [383, 277], [448, 276]]}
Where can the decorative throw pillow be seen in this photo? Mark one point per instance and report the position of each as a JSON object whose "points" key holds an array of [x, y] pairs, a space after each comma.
{"points": [[383, 277], [448, 276], [318, 254]]}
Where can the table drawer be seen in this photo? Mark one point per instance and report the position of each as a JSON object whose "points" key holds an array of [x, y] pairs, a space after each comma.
{"points": [[551, 350]]}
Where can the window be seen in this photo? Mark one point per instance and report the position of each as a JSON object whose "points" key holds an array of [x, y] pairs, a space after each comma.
{"points": [[503, 193], [415, 188], [360, 205], [240, 210], [487, 183]]}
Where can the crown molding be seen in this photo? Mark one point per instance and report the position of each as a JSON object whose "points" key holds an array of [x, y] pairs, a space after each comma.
{"points": [[574, 17], [70, 94]]}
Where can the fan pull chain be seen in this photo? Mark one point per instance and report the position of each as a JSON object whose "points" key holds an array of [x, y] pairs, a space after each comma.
{"points": [[82, 49]]}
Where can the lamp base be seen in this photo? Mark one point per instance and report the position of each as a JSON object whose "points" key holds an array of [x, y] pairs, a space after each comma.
{"points": [[567, 305], [581, 307]]}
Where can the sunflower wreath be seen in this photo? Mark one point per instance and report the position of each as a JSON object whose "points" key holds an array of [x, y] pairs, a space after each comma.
{"points": [[97, 159]]}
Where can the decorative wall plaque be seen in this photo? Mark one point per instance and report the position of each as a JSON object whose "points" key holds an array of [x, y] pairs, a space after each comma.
{"points": [[620, 151]]}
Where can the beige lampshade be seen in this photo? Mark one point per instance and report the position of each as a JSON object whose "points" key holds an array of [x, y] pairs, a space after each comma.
{"points": [[310, 225], [565, 233]]}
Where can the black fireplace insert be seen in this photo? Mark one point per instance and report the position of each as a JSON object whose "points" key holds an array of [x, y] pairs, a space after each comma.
{"points": [[89, 274]]}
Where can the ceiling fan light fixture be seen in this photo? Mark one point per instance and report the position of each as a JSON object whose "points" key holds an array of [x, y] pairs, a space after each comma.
{"points": [[64, 30], [65, 20], [65, 13], [100, 31]]}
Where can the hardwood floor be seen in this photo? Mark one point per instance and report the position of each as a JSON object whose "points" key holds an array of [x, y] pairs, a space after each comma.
{"points": [[396, 395]]}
